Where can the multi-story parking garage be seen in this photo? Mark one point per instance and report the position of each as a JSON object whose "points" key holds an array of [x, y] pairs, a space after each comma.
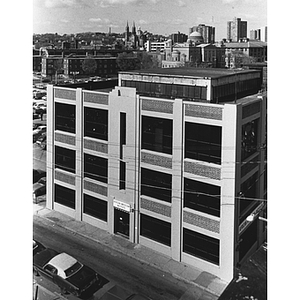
{"points": [[172, 159]]}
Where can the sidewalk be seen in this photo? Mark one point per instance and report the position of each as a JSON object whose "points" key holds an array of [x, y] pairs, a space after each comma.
{"points": [[41, 293], [213, 285]]}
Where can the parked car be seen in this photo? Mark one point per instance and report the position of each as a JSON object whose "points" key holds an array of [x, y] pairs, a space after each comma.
{"points": [[42, 140], [35, 126], [38, 174], [39, 94], [38, 103], [67, 272], [40, 111], [39, 188], [38, 132], [35, 115], [37, 247]]}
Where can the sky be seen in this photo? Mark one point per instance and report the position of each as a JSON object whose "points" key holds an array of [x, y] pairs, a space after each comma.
{"points": [[157, 16]]}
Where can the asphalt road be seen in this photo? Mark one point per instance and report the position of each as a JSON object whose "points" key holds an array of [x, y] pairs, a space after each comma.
{"points": [[119, 269]]}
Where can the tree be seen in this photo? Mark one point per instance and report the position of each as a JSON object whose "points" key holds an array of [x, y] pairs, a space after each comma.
{"points": [[236, 59], [127, 62], [140, 60], [89, 65]]}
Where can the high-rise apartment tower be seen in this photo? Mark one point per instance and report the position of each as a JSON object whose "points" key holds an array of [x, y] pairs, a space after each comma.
{"points": [[236, 30]]}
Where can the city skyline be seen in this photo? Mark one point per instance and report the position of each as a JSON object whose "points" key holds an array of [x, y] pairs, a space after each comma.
{"points": [[157, 16]]}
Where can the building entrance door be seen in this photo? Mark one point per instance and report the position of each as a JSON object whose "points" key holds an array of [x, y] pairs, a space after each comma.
{"points": [[121, 224]]}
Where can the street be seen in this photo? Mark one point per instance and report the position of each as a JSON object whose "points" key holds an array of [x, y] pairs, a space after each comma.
{"points": [[124, 272]]}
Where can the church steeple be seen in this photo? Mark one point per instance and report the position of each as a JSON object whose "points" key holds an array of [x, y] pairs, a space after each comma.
{"points": [[127, 32], [133, 28]]}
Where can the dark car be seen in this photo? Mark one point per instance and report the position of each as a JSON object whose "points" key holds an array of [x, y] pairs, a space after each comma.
{"points": [[42, 140], [39, 188], [38, 132], [68, 273], [37, 247], [38, 174]]}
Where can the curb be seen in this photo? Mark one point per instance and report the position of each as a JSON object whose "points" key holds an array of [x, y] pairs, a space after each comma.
{"points": [[134, 257]]}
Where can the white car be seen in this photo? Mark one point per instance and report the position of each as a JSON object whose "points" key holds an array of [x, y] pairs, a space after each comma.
{"points": [[39, 104], [68, 273]]}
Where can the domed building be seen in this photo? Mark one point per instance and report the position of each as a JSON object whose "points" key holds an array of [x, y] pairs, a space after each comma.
{"points": [[196, 38]]}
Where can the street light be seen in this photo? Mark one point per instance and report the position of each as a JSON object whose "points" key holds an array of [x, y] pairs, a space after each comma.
{"points": [[251, 218]]}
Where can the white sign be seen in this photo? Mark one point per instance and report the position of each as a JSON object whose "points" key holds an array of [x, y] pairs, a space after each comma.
{"points": [[121, 205]]}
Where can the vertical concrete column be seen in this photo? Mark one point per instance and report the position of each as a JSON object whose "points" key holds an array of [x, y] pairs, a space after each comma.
{"points": [[137, 149], [122, 100], [113, 155], [79, 154], [177, 162], [262, 152], [50, 147], [209, 90], [228, 220]]}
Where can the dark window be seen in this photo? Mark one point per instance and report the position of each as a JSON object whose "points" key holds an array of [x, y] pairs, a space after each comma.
{"points": [[65, 159], [52, 270], [64, 196], [203, 142], [157, 134], [249, 139], [96, 123], [157, 185], [191, 90], [200, 245], [95, 167], [122, 133], [249, 190], [247, 239], [65, 117], [203, 93], [123, 128], [122, 179], [155, 229], [202, 197], [168, 90], [95, 207]]}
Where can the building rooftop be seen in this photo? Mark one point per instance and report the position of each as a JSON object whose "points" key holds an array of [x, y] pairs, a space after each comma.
{"points": [[248, 99], [189, 72], [249, 44]]}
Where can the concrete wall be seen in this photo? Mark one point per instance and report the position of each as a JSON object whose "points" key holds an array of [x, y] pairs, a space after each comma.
{"points": [[227, 175]]}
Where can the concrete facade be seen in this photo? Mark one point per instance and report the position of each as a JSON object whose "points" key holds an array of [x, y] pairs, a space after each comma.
{"points": [[223, 230]]}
